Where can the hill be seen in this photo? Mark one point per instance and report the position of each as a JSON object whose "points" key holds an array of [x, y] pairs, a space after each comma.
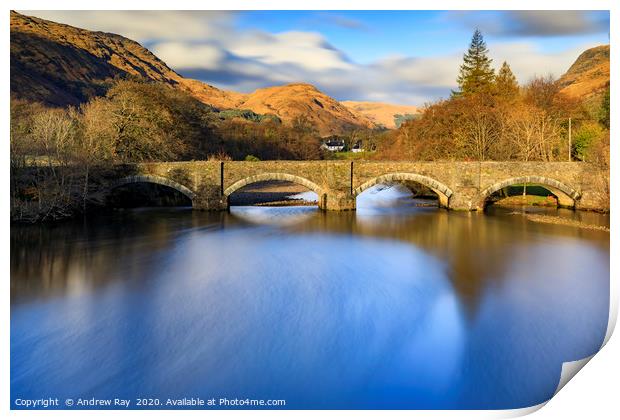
{"points": [[61, 65], [588, 77], [380, 113], [301, 99]]}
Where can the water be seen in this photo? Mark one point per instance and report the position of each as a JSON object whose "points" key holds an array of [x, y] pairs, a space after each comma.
{"points": [[393, 306]]}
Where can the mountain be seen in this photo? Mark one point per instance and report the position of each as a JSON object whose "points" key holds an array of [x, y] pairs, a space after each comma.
{"points": [[380, 113], [288, 102], [301, 99], [588, 77], [219, 98], [62, 65]]}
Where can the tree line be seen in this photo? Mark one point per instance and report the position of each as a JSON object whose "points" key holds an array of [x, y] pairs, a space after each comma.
{"points": [[492, 117]]}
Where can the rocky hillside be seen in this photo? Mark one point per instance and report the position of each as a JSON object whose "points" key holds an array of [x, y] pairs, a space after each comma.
{"points": [[589, 75], [62, 65], [219, 98], [380, 113]]}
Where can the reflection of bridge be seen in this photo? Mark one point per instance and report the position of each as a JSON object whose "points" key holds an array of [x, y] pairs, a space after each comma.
{"points": [[459, 185]]}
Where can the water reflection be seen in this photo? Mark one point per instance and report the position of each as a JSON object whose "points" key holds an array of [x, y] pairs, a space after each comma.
{"points": [[393, 198], [281, 216], [409, 308]]}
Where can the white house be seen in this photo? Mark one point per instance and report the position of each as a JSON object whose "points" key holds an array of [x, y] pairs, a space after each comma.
{"points": [[333, 144]]}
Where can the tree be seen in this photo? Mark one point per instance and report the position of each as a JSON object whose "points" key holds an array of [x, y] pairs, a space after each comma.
{"points": [[506, 85], [95, 143], [584, 138], [477, 133], [604, 111], [522, 132], [476, 74], [148, 121]]}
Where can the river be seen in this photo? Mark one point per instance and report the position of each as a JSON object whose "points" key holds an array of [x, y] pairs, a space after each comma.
{"points": [[392, 306]]}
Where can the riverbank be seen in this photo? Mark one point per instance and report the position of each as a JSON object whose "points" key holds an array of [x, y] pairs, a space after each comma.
{"points": [[527, 200], [557, 220]]}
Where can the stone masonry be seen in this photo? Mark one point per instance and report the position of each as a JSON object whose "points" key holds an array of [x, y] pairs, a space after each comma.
{"points": [[459, 185]]}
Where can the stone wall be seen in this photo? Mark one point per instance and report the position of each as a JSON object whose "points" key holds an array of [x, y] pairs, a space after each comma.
{"points": [[459, 185]]}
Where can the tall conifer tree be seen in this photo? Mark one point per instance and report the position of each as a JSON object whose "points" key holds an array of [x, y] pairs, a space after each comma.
{"points": [[476, 74], [506, 83]]}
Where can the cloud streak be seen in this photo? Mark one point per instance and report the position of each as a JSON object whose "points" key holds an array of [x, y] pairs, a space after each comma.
{"points": [[534, 23], [552, 23]]}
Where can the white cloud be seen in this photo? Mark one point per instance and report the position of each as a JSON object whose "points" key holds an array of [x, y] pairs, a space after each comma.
{"points": [[147, 25], [307, 49], [180, 55], [534, 23], [554, 22]]}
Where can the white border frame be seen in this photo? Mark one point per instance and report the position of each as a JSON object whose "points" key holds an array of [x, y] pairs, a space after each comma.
{"points": [[594, 393]]}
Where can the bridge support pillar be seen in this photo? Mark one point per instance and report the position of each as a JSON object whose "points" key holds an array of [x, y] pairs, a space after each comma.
{"points": [[210, 205], [210, 198], [465, 199], [336, 202]]}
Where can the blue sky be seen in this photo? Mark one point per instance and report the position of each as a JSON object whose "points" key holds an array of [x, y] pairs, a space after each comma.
{"points": [[369, 35], [407, 57]]}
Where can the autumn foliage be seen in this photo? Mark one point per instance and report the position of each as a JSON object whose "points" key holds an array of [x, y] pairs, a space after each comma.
{"points": [[491, 117]]}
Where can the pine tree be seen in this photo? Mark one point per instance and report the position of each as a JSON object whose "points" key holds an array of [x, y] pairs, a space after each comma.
{"points": [[506, 84], [476, 73]]}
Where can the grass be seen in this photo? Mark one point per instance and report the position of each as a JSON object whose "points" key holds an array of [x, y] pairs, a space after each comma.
{"points": [[535, 195], [527, 200]]}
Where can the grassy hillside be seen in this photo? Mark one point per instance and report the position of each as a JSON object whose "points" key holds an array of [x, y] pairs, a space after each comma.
{"points": [[588, 77]]}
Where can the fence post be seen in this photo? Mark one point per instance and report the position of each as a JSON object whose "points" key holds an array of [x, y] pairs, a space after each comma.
{"points": [[570, 139]]}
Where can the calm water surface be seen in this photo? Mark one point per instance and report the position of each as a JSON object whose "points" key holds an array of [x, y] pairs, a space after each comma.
{"points": [[393, 306]]}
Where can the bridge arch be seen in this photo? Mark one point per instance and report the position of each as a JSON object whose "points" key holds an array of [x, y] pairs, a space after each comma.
{"points": [[443, 191], [153, 179], [273, 176], [566, 195]]}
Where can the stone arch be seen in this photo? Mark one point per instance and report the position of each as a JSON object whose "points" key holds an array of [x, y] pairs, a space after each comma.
{"points": [[566, 195], [443, 191], [153, 179], [275, 176]]}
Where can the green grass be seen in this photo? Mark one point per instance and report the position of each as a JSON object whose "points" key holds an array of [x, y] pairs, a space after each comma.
{"points": [[528, 200], [535, 195]]}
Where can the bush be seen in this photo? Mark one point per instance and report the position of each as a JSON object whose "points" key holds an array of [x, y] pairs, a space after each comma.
{"points": [[583, 139]]}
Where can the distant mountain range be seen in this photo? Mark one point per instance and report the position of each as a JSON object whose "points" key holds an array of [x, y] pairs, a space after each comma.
{"points": [[381, 113], [62, 65]]}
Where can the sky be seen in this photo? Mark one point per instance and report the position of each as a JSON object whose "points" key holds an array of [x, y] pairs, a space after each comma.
{"points": [[401, 57]]}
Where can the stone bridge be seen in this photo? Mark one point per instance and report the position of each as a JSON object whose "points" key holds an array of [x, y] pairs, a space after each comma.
{"points": [[459, 185]]}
